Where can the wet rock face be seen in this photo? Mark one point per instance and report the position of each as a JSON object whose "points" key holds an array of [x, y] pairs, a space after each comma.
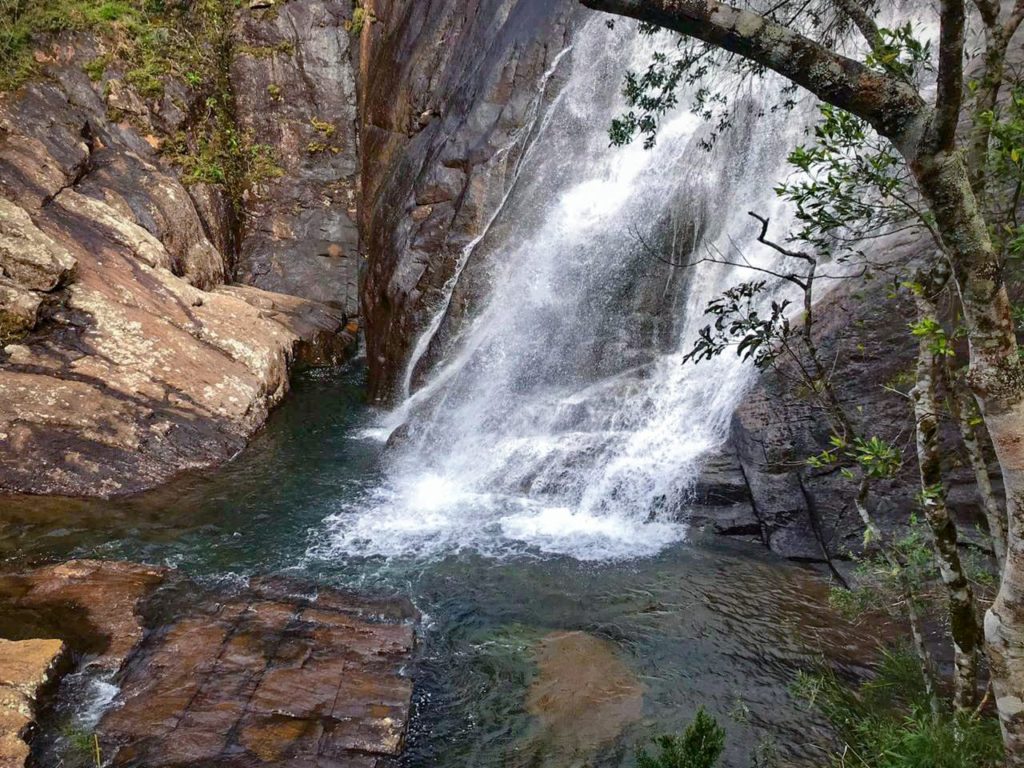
{"points": [[26, 667], [93, 605], [447, 86], [294, 80], [125, 359], [267, 678]]}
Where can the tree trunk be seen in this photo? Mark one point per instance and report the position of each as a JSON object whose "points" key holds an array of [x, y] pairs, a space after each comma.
{"points": [[961, 406], [996, 377], [921, 648], [963, 617]]}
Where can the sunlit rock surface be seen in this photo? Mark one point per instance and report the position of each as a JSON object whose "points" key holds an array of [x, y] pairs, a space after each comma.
{"points": [[26, 666], [124, 359]]}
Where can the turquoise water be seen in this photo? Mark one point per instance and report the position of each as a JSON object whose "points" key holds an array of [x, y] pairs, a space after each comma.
{"points": [[704, 622]]}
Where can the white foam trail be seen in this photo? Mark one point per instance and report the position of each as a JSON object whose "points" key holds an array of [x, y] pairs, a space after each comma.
{"points": [[552, 426]]}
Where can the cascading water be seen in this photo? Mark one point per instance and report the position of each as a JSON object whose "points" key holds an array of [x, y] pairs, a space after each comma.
{"points": [[563, 419]]}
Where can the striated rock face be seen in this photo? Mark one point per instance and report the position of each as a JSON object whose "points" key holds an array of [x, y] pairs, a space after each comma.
{"points": [[449, 92], [26, 667], [294, 79], [267, 678], [125, 359]]}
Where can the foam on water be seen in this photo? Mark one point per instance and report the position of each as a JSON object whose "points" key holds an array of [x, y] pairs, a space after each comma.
{"points": [[545, 430]]}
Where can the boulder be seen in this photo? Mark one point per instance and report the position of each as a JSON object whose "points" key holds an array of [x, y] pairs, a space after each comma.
{"points": [[29, 257], [583, 695]]}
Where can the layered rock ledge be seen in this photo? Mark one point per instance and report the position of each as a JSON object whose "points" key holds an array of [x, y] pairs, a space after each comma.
{"points": [[275, 673], [26, 667]]}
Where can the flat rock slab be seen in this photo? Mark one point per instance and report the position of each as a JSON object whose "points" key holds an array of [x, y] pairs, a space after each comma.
{"points": [[266, 677], [93, 605], [26, 666]]}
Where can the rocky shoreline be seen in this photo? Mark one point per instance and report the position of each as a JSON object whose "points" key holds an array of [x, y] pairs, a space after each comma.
{"points": [[272, 672]]}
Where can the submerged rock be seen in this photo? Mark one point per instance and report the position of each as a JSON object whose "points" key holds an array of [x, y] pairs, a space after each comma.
{"points": [[584, 696], [26, 667]]}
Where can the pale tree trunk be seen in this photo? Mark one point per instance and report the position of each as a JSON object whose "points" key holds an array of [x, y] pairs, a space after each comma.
{"points": [[921, 648], [996, 377], [963, 617], [962, 406]]}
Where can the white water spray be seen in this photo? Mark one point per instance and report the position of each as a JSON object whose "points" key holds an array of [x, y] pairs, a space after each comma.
{"points": [[564, 421]]}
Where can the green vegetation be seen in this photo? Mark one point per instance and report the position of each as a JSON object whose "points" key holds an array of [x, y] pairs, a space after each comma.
{"points": [[360, 18], [700, 746], [142, 34], [86, 745], [149, 42], [887, 721]]}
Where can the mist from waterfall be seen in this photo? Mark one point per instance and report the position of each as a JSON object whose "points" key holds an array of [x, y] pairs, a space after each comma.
{"points": [[563, 419]]}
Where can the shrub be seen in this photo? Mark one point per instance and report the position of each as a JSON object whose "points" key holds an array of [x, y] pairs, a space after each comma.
{"points": [[886, 722], [700, 746]]}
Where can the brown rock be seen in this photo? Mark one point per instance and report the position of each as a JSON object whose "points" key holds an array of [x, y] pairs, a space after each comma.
{"points": [[29, 257], [26, 667], [19, 311], [103, 597], [122, 364], [583, 695], [267, 678]]}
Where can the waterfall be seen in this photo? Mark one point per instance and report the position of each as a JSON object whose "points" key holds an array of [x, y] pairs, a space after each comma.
{"points": [[562, 419]]}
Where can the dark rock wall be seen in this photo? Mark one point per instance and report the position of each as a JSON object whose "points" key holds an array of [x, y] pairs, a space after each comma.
{"points": [[762, 485], [294, 80], [447, 85]]}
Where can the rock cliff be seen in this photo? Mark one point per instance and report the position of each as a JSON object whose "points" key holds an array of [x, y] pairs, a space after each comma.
{"points": [[450, 96], [140, 337]]}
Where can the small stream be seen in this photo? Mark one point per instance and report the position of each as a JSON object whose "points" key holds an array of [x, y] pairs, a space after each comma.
{"points": [[703, 621]]}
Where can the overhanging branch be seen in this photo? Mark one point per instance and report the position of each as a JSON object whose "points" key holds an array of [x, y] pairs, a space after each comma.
{"points": [[891, 106]]}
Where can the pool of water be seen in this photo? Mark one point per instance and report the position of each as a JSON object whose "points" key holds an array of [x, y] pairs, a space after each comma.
{"points": [[701, 622]]}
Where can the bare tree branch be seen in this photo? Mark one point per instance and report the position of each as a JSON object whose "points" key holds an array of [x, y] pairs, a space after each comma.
{"points": [[861, 19], [763, 239]]}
